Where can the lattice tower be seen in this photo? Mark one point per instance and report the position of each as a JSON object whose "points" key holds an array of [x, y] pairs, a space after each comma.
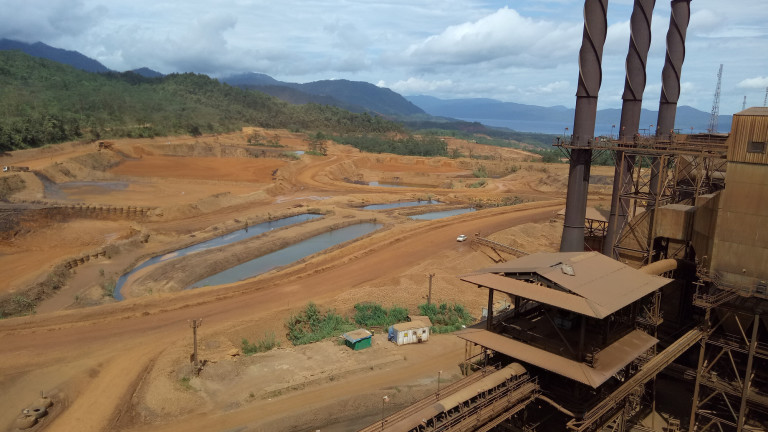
{"points": [[716, 103]]}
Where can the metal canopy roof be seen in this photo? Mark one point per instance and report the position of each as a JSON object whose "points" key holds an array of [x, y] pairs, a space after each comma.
{"points": [[609, 361], [587, 283], [754, 111], [357, 335]]}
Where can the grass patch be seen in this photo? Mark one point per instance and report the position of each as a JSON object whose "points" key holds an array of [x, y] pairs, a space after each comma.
{"points": [[489, 203], [24, 303], [446, 318], [185, 383], [290, 155], [480, 172], [262, 345], [374, 315], [108, 287], [477, 184], [312, 325]]}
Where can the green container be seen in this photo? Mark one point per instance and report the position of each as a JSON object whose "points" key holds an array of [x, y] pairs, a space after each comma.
{"points": [[358, 339]]}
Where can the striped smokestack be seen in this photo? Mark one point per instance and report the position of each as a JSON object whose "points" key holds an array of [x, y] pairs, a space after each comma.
{"points": [[670, 87], [590, 78], [634, 86], [673, 65]]}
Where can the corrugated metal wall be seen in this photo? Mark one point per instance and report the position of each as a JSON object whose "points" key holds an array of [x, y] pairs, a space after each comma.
{"points": [[740, 249], [748, 125]]}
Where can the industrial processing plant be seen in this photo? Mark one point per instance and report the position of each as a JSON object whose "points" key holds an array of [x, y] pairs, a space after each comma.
{"points": [[649, 319]]}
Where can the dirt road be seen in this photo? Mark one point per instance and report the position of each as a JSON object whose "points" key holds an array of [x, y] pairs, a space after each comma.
{"points": [[106, 365]]}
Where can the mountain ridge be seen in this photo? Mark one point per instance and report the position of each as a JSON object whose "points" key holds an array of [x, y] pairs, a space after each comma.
{"points": [[360, 96], [355, 96], [67, 57], [481, 109]]}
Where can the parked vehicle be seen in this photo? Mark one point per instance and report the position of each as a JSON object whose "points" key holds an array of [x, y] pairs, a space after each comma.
{"points": [[9, 168], [461, 238]]}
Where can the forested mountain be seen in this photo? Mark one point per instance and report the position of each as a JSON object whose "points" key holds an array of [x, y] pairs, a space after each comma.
{"points": [[377, 99], [355, 96], [46, 102], [39, 49], [147, 72], [295, 96]]}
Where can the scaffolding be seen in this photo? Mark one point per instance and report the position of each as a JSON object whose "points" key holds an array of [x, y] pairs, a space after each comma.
{"points": [[660, 171], [725, 389]]}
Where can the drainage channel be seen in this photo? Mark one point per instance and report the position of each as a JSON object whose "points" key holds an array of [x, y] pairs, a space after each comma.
{"points": [[398, 185], [214, 242], [288, 255]]}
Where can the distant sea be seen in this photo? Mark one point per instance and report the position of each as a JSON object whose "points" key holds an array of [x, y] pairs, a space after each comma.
{"points": [[542, 126]]}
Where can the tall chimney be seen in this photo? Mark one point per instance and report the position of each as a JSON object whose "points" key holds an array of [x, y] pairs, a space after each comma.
{"points": [[673, 65], [634, 86], [670, 87], [590, 78]]}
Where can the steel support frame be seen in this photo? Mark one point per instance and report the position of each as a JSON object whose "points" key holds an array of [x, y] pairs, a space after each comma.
{"points": [[635, 191], [722, 387], [659, 178], [662, 170], [696, 175], [607, 408]]}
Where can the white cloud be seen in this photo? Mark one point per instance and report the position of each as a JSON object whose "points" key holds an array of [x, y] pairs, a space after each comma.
{"points": [[524, 52], [504, 36], [416, 86], [35, 20], [760, 82], [553, 87]]}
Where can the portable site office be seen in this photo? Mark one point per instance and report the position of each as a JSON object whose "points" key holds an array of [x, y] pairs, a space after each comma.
{"points": [[409, 332]]}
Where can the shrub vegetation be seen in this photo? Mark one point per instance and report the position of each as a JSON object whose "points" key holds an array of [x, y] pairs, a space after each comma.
{"points": [[262, 345], [312, 325], [410, 145], [446, 318], [374, 315]]}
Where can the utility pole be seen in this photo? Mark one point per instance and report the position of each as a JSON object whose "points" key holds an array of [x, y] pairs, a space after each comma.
{"points": [[195, 325], [429, 296], [744, 104], [716, 104], [438, 383], [765, 101]]}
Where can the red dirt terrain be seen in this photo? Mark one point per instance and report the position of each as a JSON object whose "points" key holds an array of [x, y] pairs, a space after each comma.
{"points": [[110, 365]]}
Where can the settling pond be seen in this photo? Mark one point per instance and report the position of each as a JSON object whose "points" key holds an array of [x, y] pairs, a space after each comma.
{"points": [[214, 242], [400, 204], [288, 255]]}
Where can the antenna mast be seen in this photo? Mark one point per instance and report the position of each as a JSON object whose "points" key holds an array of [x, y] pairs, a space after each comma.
{"points": [[765, 101], [716, 104], [744, 104]]}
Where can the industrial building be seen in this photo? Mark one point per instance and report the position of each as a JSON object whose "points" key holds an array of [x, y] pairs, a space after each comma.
{"points": [[677, 297]]}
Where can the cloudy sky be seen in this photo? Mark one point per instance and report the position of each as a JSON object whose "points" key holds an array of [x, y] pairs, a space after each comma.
{"points": [[517, 51]]}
